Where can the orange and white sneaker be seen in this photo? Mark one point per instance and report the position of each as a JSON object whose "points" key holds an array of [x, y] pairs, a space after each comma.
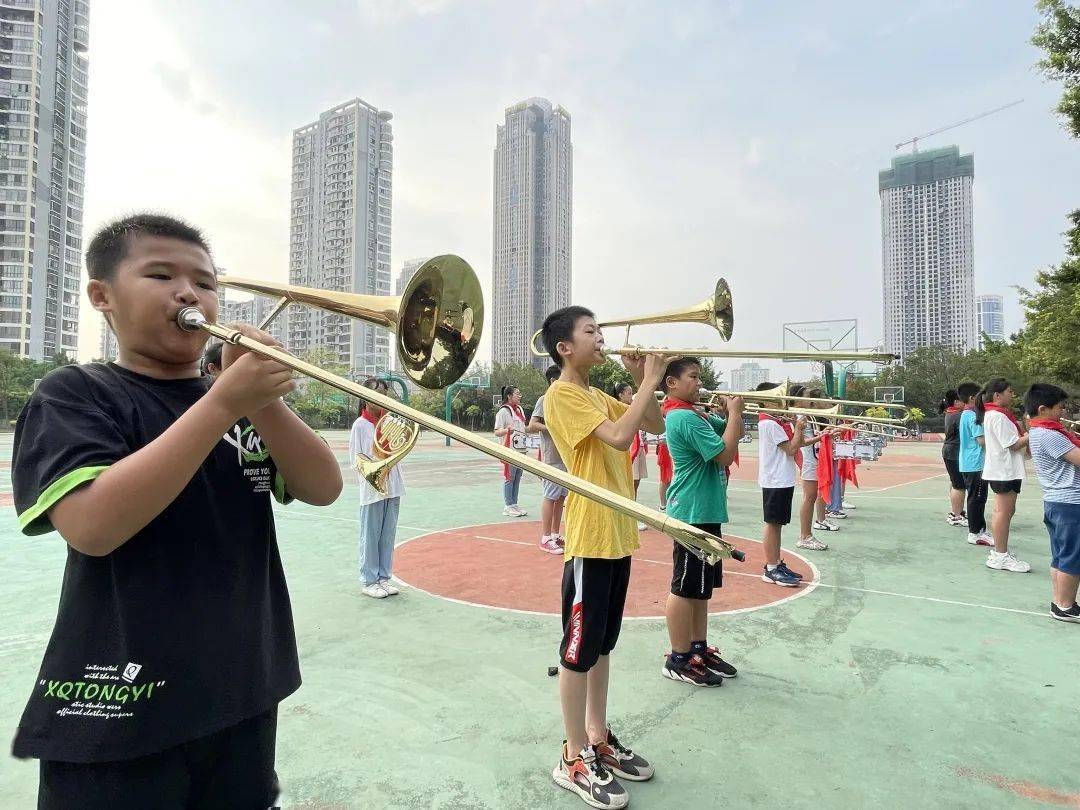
{"points": [[621, 761], [586, 776]]}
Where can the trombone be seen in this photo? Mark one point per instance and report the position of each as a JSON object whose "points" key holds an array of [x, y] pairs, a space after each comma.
{"points": [[437, 320], [712, 547], [716, 311], [780, 395]]}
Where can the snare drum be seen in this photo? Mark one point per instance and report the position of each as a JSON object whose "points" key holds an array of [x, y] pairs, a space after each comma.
{"points": [[866, 452], [525, 441], [843, 449]]}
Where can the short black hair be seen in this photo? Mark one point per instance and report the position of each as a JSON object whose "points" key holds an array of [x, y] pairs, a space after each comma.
{"points": [[765, 386], [947, 400], [677, 367], [553, 373], [559, 327], [212, 355], [1045, 395], [966, 390], [376, 384], [109, 245], [619, 388]]}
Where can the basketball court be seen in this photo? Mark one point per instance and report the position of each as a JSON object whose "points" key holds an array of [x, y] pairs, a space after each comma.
{"points": [[903, 673]]}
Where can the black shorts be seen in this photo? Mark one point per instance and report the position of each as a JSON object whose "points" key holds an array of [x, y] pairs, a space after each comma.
{"points": [[956, 478], [1005, 487], [693, 578], [776, 504], [231, 768], [593, 598]]}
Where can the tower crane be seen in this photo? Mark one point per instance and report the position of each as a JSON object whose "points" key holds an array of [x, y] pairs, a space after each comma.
{"points": [[915, 141]]}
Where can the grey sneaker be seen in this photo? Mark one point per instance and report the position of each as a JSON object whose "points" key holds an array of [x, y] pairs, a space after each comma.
{"points": [[621, 761], [586, 776], [811, 543]]}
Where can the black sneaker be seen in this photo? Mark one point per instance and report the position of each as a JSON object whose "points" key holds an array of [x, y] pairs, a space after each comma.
{"points": [[714, 663], [693, 672], [783, 567], [1070, 615]]}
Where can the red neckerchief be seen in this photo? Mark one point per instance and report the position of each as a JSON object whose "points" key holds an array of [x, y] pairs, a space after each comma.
{"points": [[639, 445], [365, 415], [1054, 424], [990, 406], [953, 409], [825, 468], [788, 429]]}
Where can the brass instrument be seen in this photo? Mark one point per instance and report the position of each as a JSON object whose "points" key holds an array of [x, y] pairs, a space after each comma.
{"points": [[437, 320], [780, 395], [394, 438], [712, 547], [716, 311]]}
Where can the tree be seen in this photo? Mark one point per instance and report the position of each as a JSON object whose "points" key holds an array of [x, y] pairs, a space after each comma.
{"points": [[1058, 35], [710, 380], [318, 404], [607, 376], [1052, 315]]}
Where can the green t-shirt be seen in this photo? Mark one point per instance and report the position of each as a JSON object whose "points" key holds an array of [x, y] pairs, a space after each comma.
{"points": [[698, 491]]}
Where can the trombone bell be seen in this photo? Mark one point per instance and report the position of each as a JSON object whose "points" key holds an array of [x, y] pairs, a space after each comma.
{"points": [[437, 321]]}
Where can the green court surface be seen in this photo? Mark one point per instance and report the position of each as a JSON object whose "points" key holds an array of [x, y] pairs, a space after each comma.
{"points": [[909, 675]]}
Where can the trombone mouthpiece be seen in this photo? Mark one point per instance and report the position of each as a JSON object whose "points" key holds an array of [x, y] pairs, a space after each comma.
{"points": [[190, 319]]}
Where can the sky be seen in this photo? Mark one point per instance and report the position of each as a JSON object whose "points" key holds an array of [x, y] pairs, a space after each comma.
{"points": [[736, 139]]}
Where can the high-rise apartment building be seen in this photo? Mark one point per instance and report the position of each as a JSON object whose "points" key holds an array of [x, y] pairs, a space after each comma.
{"points": [[990, 310], [43, 90], [339, 236], [107, 346], [928, 251], [748, 376], [531, 261]]}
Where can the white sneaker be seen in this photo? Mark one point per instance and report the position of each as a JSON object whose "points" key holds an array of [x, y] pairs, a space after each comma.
{"points": [[375, 590], [509, 511], [1006, 562], [550, 545], [389, 587], [980, 539], [846, 505], [519, 512], [641, 526], [825, 526], [835, 515], [811, 543]]}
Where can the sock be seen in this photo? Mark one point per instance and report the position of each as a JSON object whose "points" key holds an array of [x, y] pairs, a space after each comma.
{"points": [[770, 567], [679, 658], [697, 647]]}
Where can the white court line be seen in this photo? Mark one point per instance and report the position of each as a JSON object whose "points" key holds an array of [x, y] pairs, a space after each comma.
{"points": [[934, 599], [906, 483]]}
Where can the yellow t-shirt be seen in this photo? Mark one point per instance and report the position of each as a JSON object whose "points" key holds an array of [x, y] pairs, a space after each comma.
{"points": [[572, 414]]}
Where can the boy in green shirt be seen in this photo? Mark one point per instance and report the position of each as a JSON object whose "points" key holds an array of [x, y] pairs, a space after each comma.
{"points": [[702, 446]]}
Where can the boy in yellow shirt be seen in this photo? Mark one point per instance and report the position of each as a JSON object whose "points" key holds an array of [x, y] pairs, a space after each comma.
{"points": [[593, 432]]}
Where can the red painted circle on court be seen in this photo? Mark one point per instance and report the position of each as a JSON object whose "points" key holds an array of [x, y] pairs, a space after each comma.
{"points": [[500, 565]]}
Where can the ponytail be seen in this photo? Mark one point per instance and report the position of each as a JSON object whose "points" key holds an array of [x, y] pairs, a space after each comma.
{"points": [[948, 400], [995, 386]]}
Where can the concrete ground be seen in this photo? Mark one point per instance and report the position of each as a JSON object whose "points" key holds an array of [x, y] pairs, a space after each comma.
{"points": [[911, 675]]}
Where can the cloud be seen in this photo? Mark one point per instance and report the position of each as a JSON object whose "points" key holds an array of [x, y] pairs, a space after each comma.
{"points": [[753, 152], [391, 12], [177, 83]]}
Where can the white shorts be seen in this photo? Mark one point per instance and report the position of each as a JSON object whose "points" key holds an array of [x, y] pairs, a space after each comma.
{"points": [[639, 468]]}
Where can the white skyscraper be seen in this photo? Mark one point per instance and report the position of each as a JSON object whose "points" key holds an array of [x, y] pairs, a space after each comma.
{"points": [[927, 249], [991, 315], [531, 260], [748, 376], [43, 83], [107, 347], [339, 237], [406, 274]]}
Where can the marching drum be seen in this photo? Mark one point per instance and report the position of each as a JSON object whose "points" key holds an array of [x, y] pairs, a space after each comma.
{"points": [[525, 441]]}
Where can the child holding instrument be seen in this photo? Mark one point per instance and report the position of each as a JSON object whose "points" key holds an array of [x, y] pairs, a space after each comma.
{"points": [[593, 432], [1005, 444], [510, 422], [1056, 453], [174, 640], [702, 447], [779, 449], [812, 510], [378, 516]]}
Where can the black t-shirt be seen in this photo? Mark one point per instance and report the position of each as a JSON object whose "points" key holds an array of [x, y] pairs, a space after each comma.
{"points": [[951, 448], [186, 628]]}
